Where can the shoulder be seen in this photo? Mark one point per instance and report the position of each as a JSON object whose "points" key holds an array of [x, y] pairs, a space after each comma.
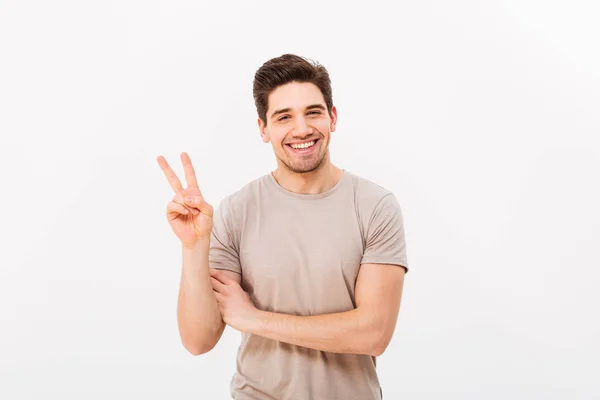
{"points": [[368, 194], [239, 201], [375, 205]]}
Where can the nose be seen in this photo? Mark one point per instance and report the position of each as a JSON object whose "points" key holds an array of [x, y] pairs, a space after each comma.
{"points": [[301, 127]]}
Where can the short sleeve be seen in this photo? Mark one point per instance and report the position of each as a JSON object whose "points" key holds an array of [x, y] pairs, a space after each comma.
{"points": [[385, 242], [223, 252]]}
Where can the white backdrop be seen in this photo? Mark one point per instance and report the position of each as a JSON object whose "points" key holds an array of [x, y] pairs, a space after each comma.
{"points": [[482, 117]]}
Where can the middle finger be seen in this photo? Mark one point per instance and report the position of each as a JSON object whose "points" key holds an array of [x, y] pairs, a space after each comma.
{"points": [[188, 168]]}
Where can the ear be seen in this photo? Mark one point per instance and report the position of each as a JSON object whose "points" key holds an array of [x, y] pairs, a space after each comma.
{"points": [[333, 118], [263, 133]]}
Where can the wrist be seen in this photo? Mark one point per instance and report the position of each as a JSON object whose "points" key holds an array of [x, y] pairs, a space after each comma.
{"points": [[195, 257], [256, 321], [202, 243]]}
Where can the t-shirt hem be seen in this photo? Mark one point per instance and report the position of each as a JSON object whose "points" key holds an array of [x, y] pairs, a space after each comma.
{"points": [[394, 261], [225, 268]]}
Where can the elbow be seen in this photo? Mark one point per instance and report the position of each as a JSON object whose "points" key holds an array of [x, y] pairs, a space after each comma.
{"points": [[200, 343], [195, 351], [379, 341], [377, 349], [198, 349]]}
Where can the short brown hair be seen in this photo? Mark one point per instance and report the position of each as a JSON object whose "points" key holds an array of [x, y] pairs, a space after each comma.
{"points": [[285, 69]]}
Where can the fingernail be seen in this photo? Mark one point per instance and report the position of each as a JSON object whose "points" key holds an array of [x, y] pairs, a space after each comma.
{"points": [[195, 212], [186, 211]]}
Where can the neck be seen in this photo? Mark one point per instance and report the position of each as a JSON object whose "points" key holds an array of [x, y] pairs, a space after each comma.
{"points": [[318, 181]]}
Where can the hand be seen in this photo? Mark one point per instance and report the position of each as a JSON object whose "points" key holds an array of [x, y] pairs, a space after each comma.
{"points": [[237, 310], [190, 216]]}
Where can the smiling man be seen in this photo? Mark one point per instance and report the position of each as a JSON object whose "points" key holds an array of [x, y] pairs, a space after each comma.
{"points": [[307, 261]]}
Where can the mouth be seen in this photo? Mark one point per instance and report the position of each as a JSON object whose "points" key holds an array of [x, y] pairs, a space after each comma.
{"points": [[304, 147]]}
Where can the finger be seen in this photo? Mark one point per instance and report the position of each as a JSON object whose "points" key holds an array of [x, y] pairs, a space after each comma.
{"points": [[194, 201], [170, 174], [217, 285], [190, 174], [218, 275], [178, 198], [176, 208], [218, 295], [199, 203]]}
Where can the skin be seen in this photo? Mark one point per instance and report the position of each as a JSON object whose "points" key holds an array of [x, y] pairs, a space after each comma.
{"points": [[190, 216], [313, 173], [378, 286], [308, 174]]}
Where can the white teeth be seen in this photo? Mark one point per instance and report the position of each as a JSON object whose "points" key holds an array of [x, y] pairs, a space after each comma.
{"points": [[303, 145]]}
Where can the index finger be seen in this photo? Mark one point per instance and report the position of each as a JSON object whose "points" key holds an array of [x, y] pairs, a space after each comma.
{"points": [[170, 174], [190, 174], [219, 276]]}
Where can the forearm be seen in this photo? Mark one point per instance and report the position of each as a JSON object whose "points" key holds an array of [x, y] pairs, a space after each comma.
{"points": [[198, 316], [351, 332]]}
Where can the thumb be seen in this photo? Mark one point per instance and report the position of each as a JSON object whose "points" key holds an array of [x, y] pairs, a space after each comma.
{"points": [[199, 203], [193, 201]]}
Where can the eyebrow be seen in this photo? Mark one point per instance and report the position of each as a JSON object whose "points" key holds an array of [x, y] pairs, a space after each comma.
{"points": [[311, 107]]}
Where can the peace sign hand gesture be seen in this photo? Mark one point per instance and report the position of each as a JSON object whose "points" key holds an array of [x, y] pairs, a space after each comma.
{"points": [[189, 215]]}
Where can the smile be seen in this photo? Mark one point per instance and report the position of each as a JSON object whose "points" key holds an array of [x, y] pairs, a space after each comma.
{"points": [[305, 147]]}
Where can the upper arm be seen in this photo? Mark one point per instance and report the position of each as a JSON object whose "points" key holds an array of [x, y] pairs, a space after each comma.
{"points": [[378, 293], [224, 241], [380, 278], [223, 257], [227, 275]]}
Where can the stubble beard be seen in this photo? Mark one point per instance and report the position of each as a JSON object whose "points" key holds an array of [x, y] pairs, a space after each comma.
{"points": [[307, 166]]}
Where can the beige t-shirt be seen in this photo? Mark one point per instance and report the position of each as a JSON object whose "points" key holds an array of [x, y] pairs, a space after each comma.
{"points": [[300, 254]]}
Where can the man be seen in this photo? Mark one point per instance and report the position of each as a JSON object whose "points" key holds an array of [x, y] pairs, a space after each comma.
{"points": [[307, 261]]}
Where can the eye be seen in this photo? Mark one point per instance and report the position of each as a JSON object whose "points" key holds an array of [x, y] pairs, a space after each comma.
{"points": [[282, 118], [315, 112]]}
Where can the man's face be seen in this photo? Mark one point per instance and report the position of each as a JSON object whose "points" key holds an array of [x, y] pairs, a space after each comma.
{"points": [[297, 117]]}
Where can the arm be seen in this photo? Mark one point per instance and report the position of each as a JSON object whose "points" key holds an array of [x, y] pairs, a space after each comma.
{"points": [[194, 222], [198, 316], [367, 329]]}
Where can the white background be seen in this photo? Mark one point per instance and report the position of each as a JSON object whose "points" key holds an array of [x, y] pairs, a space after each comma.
{"points": [[482, 117]]}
